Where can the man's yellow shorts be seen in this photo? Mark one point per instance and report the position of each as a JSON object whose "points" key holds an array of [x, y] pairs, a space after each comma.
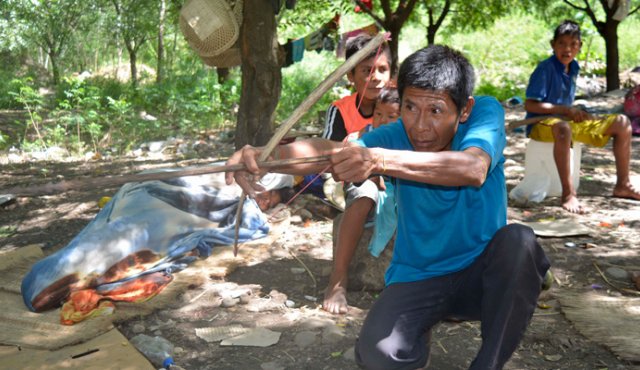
{"points": [[589, 132]]}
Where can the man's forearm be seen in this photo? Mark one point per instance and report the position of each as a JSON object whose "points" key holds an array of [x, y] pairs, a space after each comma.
{"points": [[448, 168], [537, 107]]}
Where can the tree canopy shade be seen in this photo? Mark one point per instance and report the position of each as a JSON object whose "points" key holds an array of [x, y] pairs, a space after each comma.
{"points": [[134, 26], [50, 24], [461, 15], [392, 21], [614, 13]]}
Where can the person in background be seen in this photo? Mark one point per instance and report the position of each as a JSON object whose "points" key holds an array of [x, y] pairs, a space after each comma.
{"points": [[352, 113], [550, 95]]}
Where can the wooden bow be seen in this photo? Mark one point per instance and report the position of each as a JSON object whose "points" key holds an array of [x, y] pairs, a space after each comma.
{"points": [[306, 104]]}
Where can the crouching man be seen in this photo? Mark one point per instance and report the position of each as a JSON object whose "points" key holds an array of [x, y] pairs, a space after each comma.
{"points": [[454, 255]]}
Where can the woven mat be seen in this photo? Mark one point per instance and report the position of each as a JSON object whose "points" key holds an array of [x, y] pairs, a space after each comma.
{"points": [[611, 321], [21, 327]]}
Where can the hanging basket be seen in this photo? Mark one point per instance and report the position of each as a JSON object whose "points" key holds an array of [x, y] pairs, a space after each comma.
{"points": [[226, 59], [211, 27]]}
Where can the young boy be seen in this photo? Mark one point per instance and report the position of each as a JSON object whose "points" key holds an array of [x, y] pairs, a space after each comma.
{"points": [[352, 113], [551, 92], [387, 109], [349, 115], [346, 118], [360, 202]]}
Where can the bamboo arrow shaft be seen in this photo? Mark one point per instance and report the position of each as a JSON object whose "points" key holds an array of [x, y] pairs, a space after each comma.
{"points": [[110, 182]]}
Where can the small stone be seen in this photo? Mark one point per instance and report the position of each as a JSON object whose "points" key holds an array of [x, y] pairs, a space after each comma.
{"points": [[332, 333], [553, 358], [289, 303], [305, 338], [297, 270], [178, 351], [245, 299], [138, 328], [229, 302], [350, 354], [570, 245], [617, 273]]}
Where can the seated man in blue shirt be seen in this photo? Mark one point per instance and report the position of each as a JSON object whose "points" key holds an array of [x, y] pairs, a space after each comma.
{"points": [[550, 94], [454, 255]]}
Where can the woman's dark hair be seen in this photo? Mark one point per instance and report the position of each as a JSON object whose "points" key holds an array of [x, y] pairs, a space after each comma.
{"points": [[357, 43], [438, 68], [567, 27]]}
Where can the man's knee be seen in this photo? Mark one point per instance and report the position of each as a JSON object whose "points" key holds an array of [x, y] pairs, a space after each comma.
{"points": [[518, 233], [518, 242], [623, 123], [561, 131], [369, 356]]}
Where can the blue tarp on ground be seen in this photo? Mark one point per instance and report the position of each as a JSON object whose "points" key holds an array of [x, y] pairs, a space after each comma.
{"points": [[172, 219]]}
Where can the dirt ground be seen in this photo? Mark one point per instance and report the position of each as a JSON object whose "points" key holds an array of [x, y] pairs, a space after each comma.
{"points": [[282, 291]]}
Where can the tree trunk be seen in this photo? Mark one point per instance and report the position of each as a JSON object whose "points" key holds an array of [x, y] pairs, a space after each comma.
{"points": [[431, 34], [261, 74], [160, 68], [223, 75], [610, 36], [393, 46], [53, 58], [134, 67]]}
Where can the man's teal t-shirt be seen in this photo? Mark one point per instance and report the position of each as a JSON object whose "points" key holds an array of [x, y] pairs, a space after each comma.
{"points": [[442, 229]]}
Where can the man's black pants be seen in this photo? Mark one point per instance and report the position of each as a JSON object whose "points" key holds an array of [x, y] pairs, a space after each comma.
{"points": [[500, 288]]}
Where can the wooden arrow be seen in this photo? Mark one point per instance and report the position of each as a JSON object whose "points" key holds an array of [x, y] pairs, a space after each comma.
{"points": [[114, 181]]}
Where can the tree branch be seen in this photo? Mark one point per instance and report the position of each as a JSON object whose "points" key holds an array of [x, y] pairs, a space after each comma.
{"points": [[574, 5], [386, 8], [609, 11], [587, 9], [634, 10], [404, 10], [443, 14]]}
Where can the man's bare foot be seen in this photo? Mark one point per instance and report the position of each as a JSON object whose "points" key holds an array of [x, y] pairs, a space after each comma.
{"points": [[572, 204], [335, 297], [626, 191]]}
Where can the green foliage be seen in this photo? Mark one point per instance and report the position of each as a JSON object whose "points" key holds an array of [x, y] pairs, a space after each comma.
{"points": [[629, 43], [308, 16], [505, 54], [103, 113], [7, 91], [26, 95], [300, 79]]}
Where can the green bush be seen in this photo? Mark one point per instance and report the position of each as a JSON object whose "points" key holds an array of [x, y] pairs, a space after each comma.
{"points": [[300, 79]]}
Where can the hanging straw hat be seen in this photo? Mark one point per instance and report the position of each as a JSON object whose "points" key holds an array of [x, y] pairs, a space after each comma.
{"points": [[226, 59], [211, 27]]}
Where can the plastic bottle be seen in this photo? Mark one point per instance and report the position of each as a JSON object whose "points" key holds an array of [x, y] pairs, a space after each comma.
{"points": [[157, 349]]}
